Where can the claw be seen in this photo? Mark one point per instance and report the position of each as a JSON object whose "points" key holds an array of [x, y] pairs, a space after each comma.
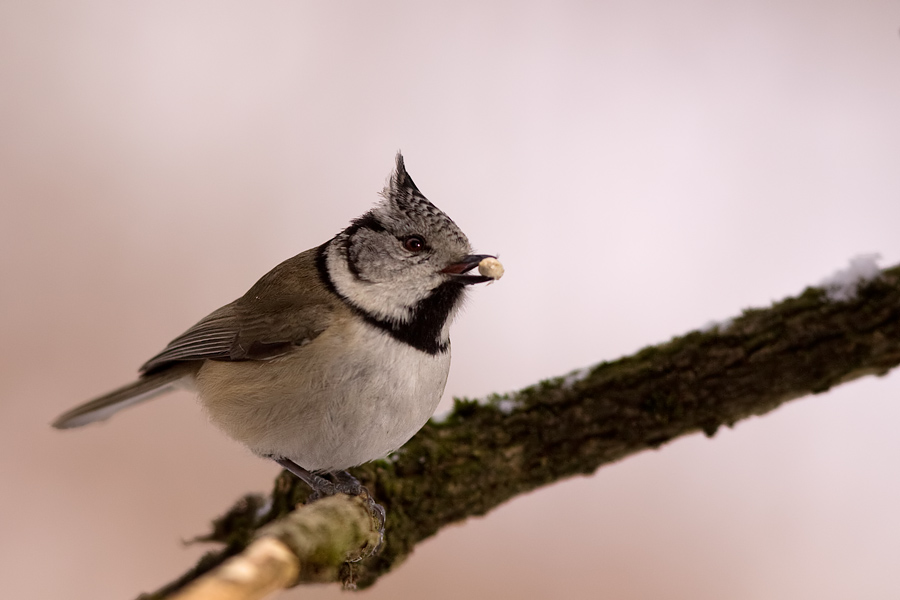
{"points": [[345, 484]]}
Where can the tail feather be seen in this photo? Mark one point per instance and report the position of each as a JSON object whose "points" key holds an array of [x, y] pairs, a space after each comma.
{"points": [[105, 406]]}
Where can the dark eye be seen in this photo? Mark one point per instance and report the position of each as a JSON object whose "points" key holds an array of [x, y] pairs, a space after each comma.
{"points": [[414, 243]]}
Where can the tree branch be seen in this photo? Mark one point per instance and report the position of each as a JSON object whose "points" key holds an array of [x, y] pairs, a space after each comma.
{"points": [[484, 453]]}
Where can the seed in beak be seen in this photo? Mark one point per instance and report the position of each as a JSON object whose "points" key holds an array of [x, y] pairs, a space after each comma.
{"points": [[491, 267]]}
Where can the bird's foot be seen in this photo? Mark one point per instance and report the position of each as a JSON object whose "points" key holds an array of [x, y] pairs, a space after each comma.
{"points": [[348, 484], [344, 483]]}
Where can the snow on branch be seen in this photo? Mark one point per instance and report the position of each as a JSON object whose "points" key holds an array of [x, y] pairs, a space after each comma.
{"points": [[842, 284]]}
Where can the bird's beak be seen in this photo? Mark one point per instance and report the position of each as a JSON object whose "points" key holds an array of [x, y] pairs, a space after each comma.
{"points": [[457, 270]]}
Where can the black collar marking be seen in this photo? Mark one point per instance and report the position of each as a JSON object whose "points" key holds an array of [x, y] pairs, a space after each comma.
{"points": [[423, 331]]}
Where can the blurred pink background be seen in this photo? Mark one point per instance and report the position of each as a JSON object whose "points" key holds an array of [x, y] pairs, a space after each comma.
{"points": [[641, 167]]}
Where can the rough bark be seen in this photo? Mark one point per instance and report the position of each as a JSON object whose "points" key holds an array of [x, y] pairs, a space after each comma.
{"points": [[486, 452]]}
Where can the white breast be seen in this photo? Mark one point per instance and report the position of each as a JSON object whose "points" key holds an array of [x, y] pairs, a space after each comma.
{"points": [[352, 395]]}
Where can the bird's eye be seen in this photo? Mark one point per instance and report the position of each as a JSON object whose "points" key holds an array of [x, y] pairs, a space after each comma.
{"points": [[414, 243]]}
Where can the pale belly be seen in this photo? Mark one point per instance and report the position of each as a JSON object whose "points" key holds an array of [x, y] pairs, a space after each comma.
{"points": [[323, 407]]}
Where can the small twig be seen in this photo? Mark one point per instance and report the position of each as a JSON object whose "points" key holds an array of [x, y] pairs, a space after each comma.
{"points": [[309, 544], [266, 566]]}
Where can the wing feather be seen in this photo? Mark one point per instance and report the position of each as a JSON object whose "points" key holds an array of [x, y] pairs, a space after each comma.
{"points": [[285, 308], [212, 337]]}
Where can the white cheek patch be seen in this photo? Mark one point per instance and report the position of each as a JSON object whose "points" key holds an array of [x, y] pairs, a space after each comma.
{"points": [[386, 301]]}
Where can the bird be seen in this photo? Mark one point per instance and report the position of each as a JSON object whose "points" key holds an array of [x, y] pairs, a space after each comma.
{"points": [[334, 358]]}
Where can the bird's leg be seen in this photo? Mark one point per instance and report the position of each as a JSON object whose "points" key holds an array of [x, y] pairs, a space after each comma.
{"points": [[321, 487], [346, 484]]}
